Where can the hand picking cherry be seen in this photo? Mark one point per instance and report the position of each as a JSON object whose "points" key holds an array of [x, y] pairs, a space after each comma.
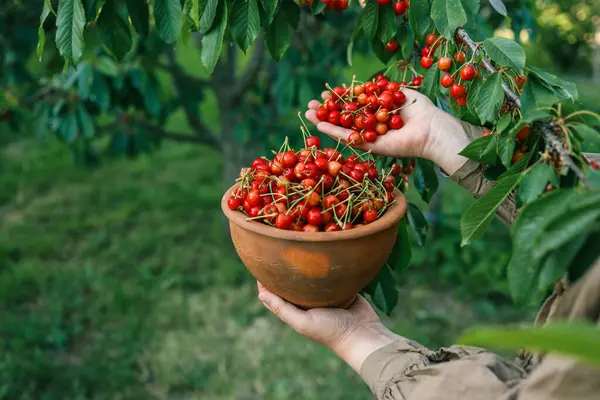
{"points": [[370, 109]]}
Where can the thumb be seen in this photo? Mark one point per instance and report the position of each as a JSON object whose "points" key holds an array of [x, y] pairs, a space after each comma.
{"points": [[285, 311]]}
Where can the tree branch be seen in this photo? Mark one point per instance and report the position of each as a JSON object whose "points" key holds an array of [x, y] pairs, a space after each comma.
{"points": [[475, 48], [545, 130], [251, 71], [158, 131], [180, 81]]}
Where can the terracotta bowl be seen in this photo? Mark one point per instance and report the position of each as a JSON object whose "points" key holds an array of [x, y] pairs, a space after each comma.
{"points": [[315, 269]]}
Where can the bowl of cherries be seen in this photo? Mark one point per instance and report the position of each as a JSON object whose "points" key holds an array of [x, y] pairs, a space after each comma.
{"points": [[312, 225]]}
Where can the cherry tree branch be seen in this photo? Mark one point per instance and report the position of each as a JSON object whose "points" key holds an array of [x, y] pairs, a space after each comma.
{"points": [[248, 77], [162, 133], [486, 64], [180, 81], [545, 130]]}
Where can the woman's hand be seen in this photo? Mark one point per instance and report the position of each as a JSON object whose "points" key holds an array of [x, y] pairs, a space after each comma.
{"points": [[428, 132], [352, 334]]}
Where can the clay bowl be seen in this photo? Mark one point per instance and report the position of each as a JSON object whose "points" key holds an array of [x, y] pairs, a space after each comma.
{"points": [[315, 269]]}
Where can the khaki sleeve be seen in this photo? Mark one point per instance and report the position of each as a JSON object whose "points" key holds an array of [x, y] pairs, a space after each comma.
{"points": [[406, 370], [561, 378], [470, 176]]}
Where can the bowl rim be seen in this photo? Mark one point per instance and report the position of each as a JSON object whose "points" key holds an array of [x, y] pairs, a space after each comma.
{"points": [[392, 217]]}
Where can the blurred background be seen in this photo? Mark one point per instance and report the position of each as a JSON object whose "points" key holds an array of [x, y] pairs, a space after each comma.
{"points": [[117, 275]]}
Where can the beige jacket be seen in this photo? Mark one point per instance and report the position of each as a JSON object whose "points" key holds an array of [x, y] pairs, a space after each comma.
{"points": [[405, 370]]}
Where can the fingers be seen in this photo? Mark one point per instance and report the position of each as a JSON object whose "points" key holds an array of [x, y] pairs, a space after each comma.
{"points": [[311, 115], [326, 95], [314, 104], [285, 311], [333, 131]]}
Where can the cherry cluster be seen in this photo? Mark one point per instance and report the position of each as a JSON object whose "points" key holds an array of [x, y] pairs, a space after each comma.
{"points": [[370, 109], [314, 189], [464, 72], [400, 7], [335, 5]]}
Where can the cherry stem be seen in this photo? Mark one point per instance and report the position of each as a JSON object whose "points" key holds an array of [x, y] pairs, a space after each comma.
{"points": [[402, 107]]}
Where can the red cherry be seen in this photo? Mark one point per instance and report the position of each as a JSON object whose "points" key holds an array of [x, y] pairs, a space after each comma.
{"points": [[430, 39], [357, 175], [417, 81], [396, 169], [372, 102], [396, 122], [370, 136], [369, 216], [362, 99], [447, 80], [310, 228], [383, 2], [332, 227], [369, 121], [254, 198], [355, 139], [333, 167], [373, 174], [381, 128], [520, 81], [289, 159], [338, 92], [257, 162], [594, 165], [315, 217], [283, 221], [399, 8], [330, 201], [386, 101], [347, 120], [340, 210], [334, 117], [313, 141], [254, 212], [426, 62], [382, 115], [486, 132], [392, 45], [347, 226], [457, 91], [444, 63], [322, 164], [399, 97], [462, 101], [426, 51], [467, 73], [392, 87], [328, 181], [350, 107], [371, 88], [382, 83], [523, 133], [234, 202], [460, 57], [332, 105], [322, 113], [342, 5], [358, 90]]}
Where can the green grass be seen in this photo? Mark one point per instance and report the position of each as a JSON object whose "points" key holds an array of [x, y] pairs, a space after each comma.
{"points": [[121, 282]]}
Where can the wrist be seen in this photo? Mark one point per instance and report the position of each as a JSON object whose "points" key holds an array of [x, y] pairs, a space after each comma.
{"points": [[362, 342], [447, 138]]}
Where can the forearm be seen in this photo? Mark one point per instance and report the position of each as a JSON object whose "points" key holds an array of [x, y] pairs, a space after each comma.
{"points": [[357, 346]]}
